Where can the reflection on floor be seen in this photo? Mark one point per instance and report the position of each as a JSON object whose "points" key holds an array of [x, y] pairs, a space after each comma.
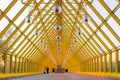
{"points": [[62, 76]]}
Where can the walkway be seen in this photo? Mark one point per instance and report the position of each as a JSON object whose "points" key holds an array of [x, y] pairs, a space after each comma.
{"points": [[61, 76]]}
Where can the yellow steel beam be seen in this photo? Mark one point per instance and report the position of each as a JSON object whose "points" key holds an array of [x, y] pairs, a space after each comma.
{"points": [[18, 47], [17, 29], [110, 11], [30, 38], [15, 18], [92, 34], [107, 26], [8, 8], [32, 52], [116, 60], [71, 6], [101, 31]]}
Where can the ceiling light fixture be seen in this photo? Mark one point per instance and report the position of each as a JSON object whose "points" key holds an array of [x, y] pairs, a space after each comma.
{"points": [[57, 9], [75, 40], [28, 19], [41, 40], [36, 32], [58, 44], [79, 32], [58, 28], [85, 19], [58, 37]]}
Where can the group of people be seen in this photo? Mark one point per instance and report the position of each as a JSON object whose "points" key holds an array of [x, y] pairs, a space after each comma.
{"points": [[46, 70]]}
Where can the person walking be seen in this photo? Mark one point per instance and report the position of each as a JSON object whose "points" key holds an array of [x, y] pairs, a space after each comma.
{"points": [[47, 69]]}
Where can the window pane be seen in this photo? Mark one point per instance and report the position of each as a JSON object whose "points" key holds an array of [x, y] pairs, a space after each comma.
{"points": [[111, 4], [118, 13], [119, 61], [87, 29], [19, 41], [92, 26], [104, 40], [1, 62], [113, 62], [102, 63], [99, 43], [3, 23], [4, 4], [94, 17], [15, 9], [109, 34], [21, 17], [13, 39], [114, 26], [100, 8], [107, 64]]}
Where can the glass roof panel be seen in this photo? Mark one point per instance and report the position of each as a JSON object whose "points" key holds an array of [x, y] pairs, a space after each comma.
{"points": [[94, 17], [14, 38], [104, 40], [18, 42], [118, 13], [92, 26], [111, 4], [8, 33], [87, 29], [3, 23], [23, 43], [69, 24], [108, 33], [114, 26], [99, 43], [4, 4], [15, 9], [31, 27], [95, 45], [100, 8], [21, 17], [24, 26]]}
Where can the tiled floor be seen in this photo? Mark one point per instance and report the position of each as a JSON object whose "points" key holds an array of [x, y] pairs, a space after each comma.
{"points": [[61, 76]]}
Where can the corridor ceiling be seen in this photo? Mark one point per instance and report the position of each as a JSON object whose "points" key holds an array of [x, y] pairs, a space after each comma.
{"points": [[99, 36]]}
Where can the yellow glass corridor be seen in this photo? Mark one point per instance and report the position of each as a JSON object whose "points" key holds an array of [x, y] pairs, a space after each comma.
{"points": [[75, 38]]}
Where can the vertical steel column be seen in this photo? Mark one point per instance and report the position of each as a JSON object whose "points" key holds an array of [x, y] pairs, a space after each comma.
{"points": [[116, 61], [6, 63], [87, 66], [97, 64], [91, 65], [16, 64], [94, 64], [105, 63], [110, 62], [11, 64], [19, 65], [100, 69], [23, 66]]}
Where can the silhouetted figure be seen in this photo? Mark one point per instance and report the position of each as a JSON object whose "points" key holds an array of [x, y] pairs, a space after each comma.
{"points": [[47, 69], [53, 70]]}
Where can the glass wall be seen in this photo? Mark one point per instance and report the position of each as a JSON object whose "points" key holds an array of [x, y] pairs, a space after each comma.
{"points": [[107, 63], [113, 62], [119, 61], [102, 63], [2, 57]]}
